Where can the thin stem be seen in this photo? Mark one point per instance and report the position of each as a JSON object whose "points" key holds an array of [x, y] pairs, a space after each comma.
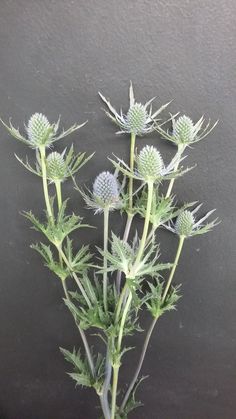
{"points": [[74, 276], [106, 385], [65, 289], [45, 182], [59, 204], [83, 336], [172, 272], [114, 390], [125, 239], [146, 224], [171, 184], [140, 363], [116, 367], [150, 330], [130, 213], [105, 245], [58, 190], [120, 302], [132, 150], [63, 257]]}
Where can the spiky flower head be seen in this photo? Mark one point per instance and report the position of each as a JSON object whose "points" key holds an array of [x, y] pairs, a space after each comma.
{"points": [[106, 193], [139, 119], [39, 130], [105, 188], [185, 132], [187, 226], [136, 118], [40, 133], [56, 167], [184, 223], [149, 163], [120, 248]]}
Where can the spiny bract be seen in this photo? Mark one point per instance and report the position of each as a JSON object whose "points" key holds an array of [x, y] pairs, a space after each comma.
{"points": [[56, 167], [149, 162], [39, 129], [121, 248], [137, 118], [105, 188], [183, 130], [184, 223]]}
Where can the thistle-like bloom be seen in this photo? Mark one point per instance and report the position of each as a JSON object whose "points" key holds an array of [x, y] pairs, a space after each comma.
{"points": [[105, 195], [185, 132], [139, 119], [40, 133], [56, 167], [187, 226], [150, 166], [60, 166]]}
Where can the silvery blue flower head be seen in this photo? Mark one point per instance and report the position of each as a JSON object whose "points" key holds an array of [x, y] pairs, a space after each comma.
{"points": [[185, 132], [40, 132], [151, 167], [105, 194], [187, 226], [139, 119]]}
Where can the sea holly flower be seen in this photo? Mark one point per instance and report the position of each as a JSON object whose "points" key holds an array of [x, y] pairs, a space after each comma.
{"points": [[60, 166], [124, 276], [185, 132], [40, 133], [139, 119], [106, 193], [187, 226], [150, 166]]}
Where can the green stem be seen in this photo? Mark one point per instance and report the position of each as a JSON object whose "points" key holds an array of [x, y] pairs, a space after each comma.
{"points": [[146, 225], [74, 275], [62, 255], [58, 190], [151, 328], [125, 239], [140, 363], [83, 336], [131, 181], [172, 272], [59, 204], [106, 385], [180, 151], [105, 246], [116, 367], [45, 182], [114, 390]]}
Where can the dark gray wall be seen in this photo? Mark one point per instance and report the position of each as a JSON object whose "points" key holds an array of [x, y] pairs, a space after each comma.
{"points": [[55, 56]]}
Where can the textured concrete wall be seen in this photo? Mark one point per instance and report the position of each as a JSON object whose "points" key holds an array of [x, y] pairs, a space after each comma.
{"points": [[55, 56]]}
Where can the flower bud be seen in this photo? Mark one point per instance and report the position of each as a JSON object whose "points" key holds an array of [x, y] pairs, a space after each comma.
{"points": [[120, 249], [137, 117], [150, 163], [39, 130], [184, 223], [105, 188], [183, 130], [56, 167]]}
